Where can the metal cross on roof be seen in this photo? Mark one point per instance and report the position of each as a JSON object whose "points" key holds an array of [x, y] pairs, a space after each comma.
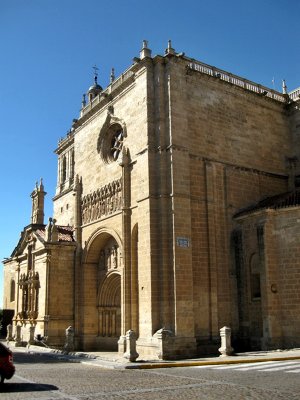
{"points": [[96, 69]]}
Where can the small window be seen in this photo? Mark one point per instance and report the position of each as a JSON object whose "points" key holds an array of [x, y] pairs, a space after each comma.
{"points": [[255, 286]]}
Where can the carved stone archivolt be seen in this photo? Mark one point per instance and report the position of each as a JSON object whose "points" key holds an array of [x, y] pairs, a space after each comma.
{"points": [[101, 202]]}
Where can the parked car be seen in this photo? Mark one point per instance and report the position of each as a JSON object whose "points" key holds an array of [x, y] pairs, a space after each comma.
{"points": [[7, 368]]}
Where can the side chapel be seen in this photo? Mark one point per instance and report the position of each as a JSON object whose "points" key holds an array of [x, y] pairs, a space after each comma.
{"points": [[176, 212]]}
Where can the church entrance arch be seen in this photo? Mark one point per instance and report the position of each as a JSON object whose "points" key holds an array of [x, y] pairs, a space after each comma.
{"points": [[104, 254], [109, 312]]}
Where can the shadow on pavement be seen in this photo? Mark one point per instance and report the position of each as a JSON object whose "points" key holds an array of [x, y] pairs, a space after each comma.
{"points": [[31, 358], [25, 387]]}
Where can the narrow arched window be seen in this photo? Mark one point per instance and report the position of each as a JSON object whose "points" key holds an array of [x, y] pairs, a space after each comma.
{"points": [[64, 169], [12, 290], [72, 165], [255, 277]]}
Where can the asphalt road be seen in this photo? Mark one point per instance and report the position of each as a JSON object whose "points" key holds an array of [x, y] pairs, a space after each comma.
{"points": [[46, 377]]}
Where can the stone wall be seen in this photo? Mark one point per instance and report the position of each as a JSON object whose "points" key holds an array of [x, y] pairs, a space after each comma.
{"points": [[286, 233], [272, 320], [64, 208], [227, 150], [8, 279]]}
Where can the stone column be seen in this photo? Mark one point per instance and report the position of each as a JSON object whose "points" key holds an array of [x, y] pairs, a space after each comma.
{"points": [[18, 286], [58, 173], [78, 285], [126, 251]]}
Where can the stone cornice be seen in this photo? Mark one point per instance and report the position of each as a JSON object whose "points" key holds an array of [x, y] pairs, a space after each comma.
{"points": [[65, 143]]}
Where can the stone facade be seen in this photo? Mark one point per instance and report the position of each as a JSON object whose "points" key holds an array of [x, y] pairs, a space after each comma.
{"points": [[158, 226]]}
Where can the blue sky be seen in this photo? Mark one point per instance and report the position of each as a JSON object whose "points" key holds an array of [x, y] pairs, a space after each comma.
{"points": [[48, 49]]}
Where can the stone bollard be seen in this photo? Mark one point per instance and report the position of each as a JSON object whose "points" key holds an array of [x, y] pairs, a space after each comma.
{"points": [[69, 344], [225, 349], [18, 341], [31, 335], [164, 339], [9, 336], [131, 353]]}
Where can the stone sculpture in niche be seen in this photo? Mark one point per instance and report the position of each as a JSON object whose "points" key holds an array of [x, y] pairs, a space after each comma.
{"points": [[109, 258]]}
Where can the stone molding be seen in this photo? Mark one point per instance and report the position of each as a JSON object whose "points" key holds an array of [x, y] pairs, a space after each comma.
{"points": [[102, 202]]}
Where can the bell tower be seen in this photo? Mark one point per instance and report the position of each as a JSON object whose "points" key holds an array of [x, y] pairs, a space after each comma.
{"points": [[38, 196]]}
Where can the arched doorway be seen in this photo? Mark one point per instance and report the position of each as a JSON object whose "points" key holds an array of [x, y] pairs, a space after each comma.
{"points": [[102, 292], [109, 294], [109, 312]]}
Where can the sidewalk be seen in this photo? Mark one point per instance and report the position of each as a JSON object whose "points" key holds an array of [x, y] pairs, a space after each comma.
{"points": [[112, 360]]}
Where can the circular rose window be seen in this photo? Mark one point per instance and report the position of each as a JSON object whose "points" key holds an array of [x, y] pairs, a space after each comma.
{"points": [[111, 141]]}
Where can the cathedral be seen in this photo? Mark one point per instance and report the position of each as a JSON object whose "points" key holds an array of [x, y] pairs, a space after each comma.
{"points": [[176, 212]]}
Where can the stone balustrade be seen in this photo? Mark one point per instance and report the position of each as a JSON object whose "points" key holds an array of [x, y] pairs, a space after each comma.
{"points": [[236, 80], [295, 94]]}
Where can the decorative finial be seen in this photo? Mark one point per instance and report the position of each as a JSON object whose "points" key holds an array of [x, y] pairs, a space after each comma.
{"points": [[145, 52], [83, 101], [112, 75], [96, 69], [41, 184], [54, 231], [48, 230], [169, 49], [38, 196], [284, 87]]}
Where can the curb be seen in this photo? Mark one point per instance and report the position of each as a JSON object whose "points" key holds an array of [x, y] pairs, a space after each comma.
{"points": [[86, 358], [204, 363]]}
